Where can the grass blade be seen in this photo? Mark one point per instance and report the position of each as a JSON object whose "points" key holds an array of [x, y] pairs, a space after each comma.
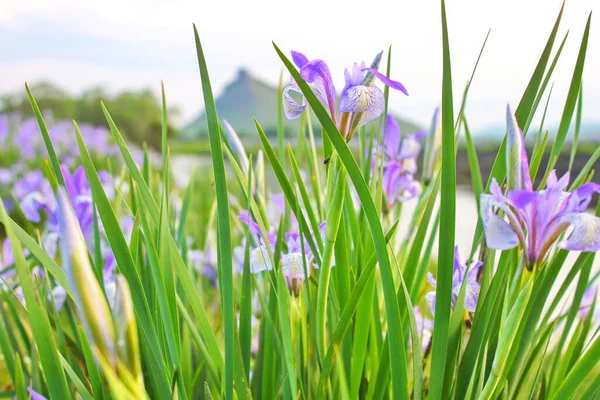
{"points": [[447, 226], [224, 234]]}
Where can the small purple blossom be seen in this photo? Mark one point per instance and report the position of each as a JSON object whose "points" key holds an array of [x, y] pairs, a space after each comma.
{"points": [[400, 163], [536, 219], [460, 273]]}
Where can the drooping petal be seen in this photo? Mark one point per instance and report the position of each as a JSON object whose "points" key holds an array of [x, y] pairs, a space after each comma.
{"points": [[317, 73], [499, 234], [431, 279], [474, 271], [517, 163], [457, 267], [291, 107], [471, 296], [31, 205], [299, 59], [368, 101], [236, 143], [580, 199], [585, 235], [260, 260], [392, 137], [430, 297], [411, 147], [387, 81], [369, 78]]}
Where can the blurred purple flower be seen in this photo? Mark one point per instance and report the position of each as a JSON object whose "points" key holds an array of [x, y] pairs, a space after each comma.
{"points": [[6, 176], [32, 181], [458, 276], [35, 395], [536, 220], [205, 263], [400, 163]]}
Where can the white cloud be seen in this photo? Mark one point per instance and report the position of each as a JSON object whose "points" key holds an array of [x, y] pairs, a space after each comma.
{"points": [[239, 34]]}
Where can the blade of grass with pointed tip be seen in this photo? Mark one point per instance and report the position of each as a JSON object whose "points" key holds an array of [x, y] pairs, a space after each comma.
{"points": [[577, 127], [571, 102], [463, 103], [223, 232], [544, 84], [476, 181], [397, 351], [38, 318], [447, 226], [164, 143], [46, 136], [527, 105], [79, 385], [20, 386]]}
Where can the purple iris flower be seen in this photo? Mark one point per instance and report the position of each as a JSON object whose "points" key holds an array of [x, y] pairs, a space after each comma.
{"points": [[32, 181], [536, 220], [458, 277], [205, 262], [292, 260], [400, 163], [44, 201], [360, 100]]}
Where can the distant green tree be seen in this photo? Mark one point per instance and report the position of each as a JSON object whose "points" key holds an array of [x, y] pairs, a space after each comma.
{"points": [[136, 113]]}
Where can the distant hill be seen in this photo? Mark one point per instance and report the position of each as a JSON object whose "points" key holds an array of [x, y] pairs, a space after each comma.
{"points": [[589, 133], [248, 97]]}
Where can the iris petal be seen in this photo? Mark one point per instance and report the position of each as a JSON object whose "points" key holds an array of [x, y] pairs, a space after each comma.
{"points": [[299, 59], [517, 163], [291, 107], [499, 234], [585, 235], [292, 266], [392, 137], [317, 73], [260, 260], [362, 99], [387, 81]]}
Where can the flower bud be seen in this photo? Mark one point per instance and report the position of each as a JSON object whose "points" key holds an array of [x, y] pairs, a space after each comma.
{"points": [[92, 305]]}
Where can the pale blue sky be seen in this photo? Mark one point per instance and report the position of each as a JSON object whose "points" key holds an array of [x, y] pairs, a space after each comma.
{"points": [[134, 44]]}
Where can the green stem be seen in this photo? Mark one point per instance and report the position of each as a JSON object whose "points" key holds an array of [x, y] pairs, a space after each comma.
{"points": [[335, 199]]}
